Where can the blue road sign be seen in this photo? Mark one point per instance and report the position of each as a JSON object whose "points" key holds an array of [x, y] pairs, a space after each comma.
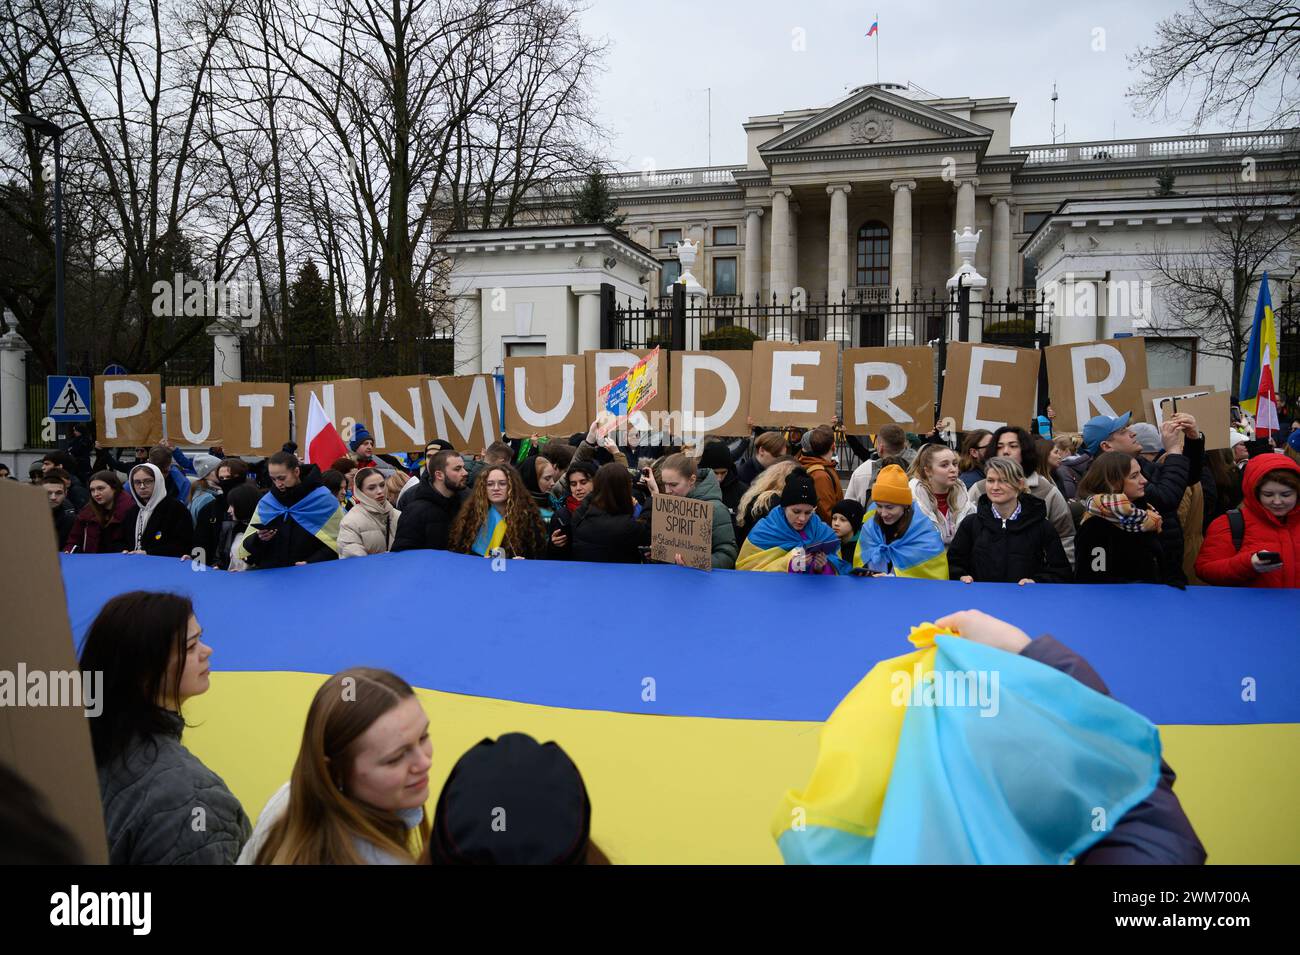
{"points": [[69, 398], [115, 370]]}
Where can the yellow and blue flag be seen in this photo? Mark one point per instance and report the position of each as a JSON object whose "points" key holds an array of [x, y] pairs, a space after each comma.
{"points": [[1261, 356], [960, 753], [919, 552], [491, 534], [772, 543], [319, 514]]}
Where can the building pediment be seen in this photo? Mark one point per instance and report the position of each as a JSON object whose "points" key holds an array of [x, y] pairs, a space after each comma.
{"points": [[875, 117]]}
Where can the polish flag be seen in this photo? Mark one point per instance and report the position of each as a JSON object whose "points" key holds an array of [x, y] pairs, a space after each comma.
{"points": [[324, 446], [1266, 422]]}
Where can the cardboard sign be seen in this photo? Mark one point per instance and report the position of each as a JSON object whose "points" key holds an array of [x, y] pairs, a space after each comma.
{"points": [[254, 417], [711, 392], [341, 400], [888, 386], [194, 415], [546, 394], [47, 745], [1092, 378], [681, 525], [1210, 408], [605, 367], [793, 385], [989, 386], [395, 412], [464, 410], [128, 410]]}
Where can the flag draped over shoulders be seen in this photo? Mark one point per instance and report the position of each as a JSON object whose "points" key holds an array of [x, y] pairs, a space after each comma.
{"points": [[772, 544], [912, 769], [318, 513], [919, 552]]}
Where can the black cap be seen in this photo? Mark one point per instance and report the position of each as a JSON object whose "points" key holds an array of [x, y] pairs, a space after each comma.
{"points": [[512, 801], [851, 510], [799, 489], [716, 456]]}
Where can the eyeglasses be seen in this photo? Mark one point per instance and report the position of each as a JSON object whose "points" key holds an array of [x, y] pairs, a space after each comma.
{"points": [[497, 485], [143, 482]]}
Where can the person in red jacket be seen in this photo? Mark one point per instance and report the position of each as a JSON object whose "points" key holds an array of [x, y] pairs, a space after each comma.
{"points": [[1269, 555]]}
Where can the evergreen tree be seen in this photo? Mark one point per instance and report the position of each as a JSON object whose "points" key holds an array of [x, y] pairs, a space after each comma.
{"points": [[311, 318], [595, 204]]}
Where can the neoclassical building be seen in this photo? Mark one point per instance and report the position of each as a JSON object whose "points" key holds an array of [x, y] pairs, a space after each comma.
{"points": [[861, 198]]}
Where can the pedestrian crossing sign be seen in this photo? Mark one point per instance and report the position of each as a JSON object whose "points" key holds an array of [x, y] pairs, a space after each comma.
{"points": [[69, 398]]}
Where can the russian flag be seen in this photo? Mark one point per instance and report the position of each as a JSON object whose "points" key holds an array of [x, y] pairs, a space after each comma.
{"points": [[875, 26]]}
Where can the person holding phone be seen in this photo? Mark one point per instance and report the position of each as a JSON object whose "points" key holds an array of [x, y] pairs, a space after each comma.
{"points": [[1266, 552]]}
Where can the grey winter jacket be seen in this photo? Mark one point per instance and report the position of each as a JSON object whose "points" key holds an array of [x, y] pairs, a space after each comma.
{"points": [[162, 806]]}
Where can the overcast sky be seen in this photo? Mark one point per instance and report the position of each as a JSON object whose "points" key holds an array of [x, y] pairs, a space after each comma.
{"points": [[665, 54]]}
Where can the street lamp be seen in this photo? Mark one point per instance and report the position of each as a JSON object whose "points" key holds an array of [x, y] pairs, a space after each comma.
{"points": [[43, 127]]}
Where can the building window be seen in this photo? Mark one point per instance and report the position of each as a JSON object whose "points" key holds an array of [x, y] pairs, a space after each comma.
{"points": [[1031, 274], [669, 237], [672, 271], [724, 276], [873, 255], [1171, 362], [724, 235], [1034, 219]]}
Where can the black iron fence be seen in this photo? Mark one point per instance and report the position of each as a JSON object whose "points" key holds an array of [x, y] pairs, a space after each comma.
{"points": [[296, 362], [1287, 315]]}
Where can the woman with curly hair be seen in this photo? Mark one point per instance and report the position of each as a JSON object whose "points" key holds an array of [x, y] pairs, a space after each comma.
{"points": [[499, 514]]}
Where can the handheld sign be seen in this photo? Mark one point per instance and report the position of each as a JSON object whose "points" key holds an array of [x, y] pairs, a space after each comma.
{"points": [[682, 525]]}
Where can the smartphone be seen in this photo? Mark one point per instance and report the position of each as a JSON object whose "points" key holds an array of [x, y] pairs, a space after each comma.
{"points": [[1269, 557]]}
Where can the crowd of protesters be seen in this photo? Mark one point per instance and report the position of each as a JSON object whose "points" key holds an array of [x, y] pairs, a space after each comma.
{"points": [[1116, 503]]}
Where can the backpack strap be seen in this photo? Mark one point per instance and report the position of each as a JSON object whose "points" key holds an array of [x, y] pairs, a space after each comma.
{"points": [[814, 468], [1237, 525]]}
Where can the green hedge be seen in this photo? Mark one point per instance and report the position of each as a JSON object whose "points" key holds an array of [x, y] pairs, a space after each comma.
{"points": [[729, 338]]}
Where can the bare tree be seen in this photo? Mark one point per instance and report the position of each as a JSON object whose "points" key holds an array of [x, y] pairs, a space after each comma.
{"points": [[1208, 290], [1233, 61]]}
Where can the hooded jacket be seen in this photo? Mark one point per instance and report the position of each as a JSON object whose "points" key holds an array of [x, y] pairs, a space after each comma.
{"points": [[90, 535], [160, 526], [1167, 481], [1220, 563], [827, 482], [369, 528], [994, 550], [426, 517], [724, 532], [606, 538]]}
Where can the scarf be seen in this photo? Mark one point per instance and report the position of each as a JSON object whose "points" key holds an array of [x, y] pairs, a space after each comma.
{"points": [[491, 534], [1122, 512], [919, 552], [380, 513], [771, 543], [146, 509], [317, 512]]}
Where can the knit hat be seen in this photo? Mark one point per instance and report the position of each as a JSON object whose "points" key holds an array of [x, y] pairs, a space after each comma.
{"points": [[799, 489], [1148, 437], [1294, 440], [359, 434], [205, 464], [512, 801], [805, 443], [851, 511], [716, 455], [891, 487]]}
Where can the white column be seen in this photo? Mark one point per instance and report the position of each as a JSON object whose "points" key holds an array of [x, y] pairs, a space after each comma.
{"points": [[13, 393], [1000, 250], [794, 248], [781, 245], [588, 316], [469, 356], [963, 212], [227, 359], [753, 255], [837, 246], [900, 242]]}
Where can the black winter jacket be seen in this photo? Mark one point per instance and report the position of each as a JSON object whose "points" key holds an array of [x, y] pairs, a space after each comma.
{"points": [[426, 517], [607, 538], [169, 532], [65, 515], [1167, 481], [990, 549], [291, 543], [1106, 554]]}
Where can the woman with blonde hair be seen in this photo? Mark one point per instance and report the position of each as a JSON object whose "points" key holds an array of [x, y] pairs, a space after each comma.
{"points": [[500, 513], [358, 788], [937, 490], [763, 495]]}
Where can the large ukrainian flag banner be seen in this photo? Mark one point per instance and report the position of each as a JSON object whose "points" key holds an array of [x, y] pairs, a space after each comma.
{"points": [[698, 701]]}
